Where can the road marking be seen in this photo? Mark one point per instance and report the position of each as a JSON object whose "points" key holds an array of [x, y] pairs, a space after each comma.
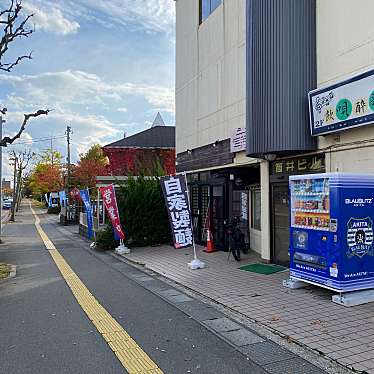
{"points": [[128, 352]]}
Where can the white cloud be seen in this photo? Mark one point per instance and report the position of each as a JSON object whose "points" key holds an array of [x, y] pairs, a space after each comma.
{"points": [[55, 89], [87, 130], [123, 110], [153, 15], [51, 19], [150, 15], [73, 95]]}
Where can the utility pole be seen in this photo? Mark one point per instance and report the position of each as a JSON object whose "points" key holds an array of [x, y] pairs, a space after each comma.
{"points": [[68, 131], [52, 151], [14, 159], [1, 180]]}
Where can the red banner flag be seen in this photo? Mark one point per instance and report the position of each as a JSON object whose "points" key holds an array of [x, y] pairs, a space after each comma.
{"points": [[74, 193], [109, 196]]}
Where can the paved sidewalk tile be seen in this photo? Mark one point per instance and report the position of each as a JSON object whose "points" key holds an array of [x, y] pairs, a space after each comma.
{"points": [[304, 315]]}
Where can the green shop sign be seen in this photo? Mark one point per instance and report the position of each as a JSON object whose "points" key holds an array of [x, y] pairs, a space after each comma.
{"points": [[343, 105]]}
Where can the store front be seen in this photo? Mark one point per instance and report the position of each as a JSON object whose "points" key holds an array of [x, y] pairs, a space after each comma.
{"points": [[280, 170], [220, 196]]}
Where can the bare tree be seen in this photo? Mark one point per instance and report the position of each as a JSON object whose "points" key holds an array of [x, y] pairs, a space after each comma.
{"points": [[15, 25], [7, 140], [22, 160]]}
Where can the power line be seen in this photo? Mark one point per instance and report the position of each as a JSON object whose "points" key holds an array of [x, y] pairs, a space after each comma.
{"points": [[37, 140]]}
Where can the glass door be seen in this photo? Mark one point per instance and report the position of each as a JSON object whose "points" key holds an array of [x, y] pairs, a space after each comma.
{"points": [[218, 215], [280, 220]]}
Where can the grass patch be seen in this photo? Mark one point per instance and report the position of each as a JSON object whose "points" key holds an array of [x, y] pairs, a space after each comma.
{"points": [[4, 270]]}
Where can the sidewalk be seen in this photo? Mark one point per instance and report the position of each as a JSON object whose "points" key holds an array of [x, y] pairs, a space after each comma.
{"points": [[306, 316]]}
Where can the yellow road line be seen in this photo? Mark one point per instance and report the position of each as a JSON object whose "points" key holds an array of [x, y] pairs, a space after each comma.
{"points": [[128, 352]]}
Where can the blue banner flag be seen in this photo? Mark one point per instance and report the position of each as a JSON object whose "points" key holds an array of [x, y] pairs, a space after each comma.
{"points": [[63, 198], [85, 196]]}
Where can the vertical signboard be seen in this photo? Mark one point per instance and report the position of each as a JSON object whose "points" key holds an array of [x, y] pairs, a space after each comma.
{"points": [[63, 199], [176, 200], [238, 140], [109, 196], [85, 196]]}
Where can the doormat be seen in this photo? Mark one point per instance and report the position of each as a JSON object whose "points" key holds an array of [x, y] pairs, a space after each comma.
{"points": [[265, 269]]}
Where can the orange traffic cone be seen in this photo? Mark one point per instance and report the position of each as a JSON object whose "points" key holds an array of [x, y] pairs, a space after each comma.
{"points": [[209, 243]]}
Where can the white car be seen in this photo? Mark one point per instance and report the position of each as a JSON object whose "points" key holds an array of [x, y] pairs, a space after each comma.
{"points": [[7, 203]]}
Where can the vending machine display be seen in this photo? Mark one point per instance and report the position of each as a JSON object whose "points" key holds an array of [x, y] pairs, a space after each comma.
{"points": [[331, 241]]}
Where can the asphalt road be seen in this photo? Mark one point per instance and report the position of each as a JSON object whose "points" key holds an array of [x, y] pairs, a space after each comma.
{"points": [[44, 330]]}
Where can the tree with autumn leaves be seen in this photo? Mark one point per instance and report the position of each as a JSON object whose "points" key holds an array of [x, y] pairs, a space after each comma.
{"points": [[48, 172], [91, 164]]}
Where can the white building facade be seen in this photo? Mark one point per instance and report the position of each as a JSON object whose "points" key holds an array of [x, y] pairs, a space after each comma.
{"points": [[345, 48], [210, 106], [239, 67]]}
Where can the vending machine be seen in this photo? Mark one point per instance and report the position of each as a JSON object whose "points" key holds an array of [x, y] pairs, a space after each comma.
{"points": [[331, 230]]}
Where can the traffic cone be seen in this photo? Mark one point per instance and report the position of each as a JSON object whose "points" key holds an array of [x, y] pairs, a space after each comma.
{"points": [[209, 243]]}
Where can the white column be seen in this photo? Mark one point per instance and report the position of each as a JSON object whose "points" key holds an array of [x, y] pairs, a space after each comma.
{"points": [[328, 162], [265, 211]]}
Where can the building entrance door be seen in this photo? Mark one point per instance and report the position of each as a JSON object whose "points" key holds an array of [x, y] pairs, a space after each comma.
{"points": [[280, 223], [218, 216]]}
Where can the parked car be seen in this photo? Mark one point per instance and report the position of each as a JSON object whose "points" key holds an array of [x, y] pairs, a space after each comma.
{"points": [[7, 203]]}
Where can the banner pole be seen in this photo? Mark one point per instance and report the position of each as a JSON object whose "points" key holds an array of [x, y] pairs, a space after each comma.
{"points": [[195, 263], [121, 249], [189, 206]]}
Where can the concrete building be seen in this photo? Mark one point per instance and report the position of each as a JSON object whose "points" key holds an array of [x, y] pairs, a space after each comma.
{"points": [[343, 53], [210, 106], [6, 184], [247, 66]]}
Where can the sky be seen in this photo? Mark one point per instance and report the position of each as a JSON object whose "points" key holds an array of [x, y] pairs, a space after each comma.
{"points": [[104, 68]]}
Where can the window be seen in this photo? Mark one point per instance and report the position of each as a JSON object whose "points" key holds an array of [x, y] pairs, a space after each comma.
{"points": [[256, 209], [207, 7]]}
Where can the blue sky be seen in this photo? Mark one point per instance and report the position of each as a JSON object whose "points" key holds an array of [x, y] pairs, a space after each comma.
{"points": [[104, 67]]}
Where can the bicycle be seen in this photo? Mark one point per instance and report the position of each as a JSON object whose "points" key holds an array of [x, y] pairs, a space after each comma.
{"points": [[236, 240]]}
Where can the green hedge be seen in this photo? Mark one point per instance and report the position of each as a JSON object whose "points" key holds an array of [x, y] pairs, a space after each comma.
{"points": [[54, 210], [143, 214], [105, 239]]}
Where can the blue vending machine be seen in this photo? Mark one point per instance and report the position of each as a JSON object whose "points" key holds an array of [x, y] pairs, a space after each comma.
{"points": [[331, 241]]}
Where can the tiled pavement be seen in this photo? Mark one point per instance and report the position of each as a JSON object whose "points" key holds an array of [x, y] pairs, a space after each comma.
{"points": [[304, 315]]}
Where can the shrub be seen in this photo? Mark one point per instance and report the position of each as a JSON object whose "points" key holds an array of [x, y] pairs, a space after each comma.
{"points": [[54, 210], [143, 213], [105, 239]]}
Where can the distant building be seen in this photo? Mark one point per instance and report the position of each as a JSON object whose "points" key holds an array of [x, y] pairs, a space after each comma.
{"points": [[143, 151], [6, 184]]}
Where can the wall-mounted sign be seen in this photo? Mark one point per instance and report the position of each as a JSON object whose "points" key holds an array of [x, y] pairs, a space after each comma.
{"points": [[238, 140], [244, 205], [343, 105], [298, 165]]}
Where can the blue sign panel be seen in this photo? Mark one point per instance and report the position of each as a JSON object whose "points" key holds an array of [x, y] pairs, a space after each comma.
{"points": [[85, 196], [343, 105], [63, 198]]}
